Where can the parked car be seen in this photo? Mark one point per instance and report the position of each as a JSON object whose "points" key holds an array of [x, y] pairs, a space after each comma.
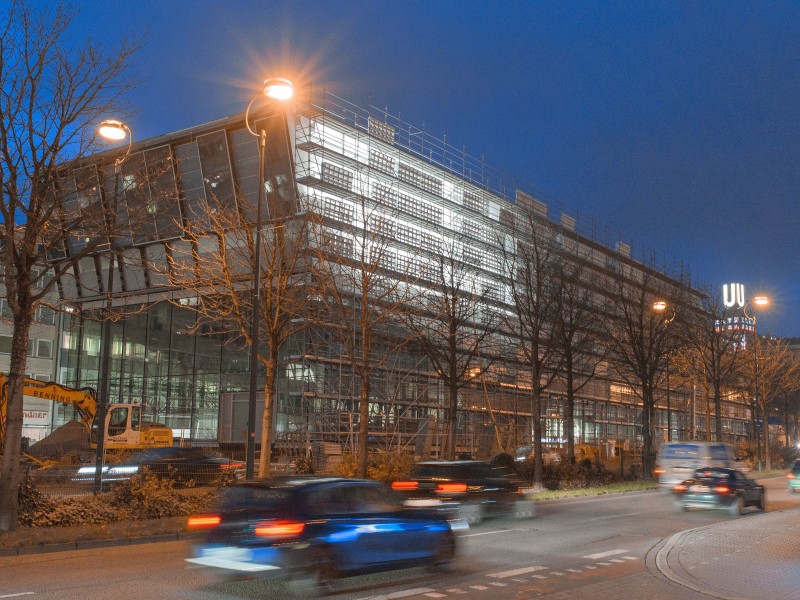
{"points": [[181, 464], [716, 487], [793, 476], [312, 530], [677, 461], [469, 490]]}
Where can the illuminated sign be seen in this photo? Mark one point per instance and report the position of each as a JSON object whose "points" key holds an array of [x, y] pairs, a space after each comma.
{"points": [[733, 295]]}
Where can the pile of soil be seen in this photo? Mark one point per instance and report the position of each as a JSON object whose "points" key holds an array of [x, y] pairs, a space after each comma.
{"points": [[70, 438]]}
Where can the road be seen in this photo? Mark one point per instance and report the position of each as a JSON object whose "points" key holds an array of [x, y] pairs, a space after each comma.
{"points": [[598, 547]]}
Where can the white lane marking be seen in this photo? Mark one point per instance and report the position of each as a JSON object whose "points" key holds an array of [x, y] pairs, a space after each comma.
{"points": [[499, 584], [492, 532], [590, 567], [515, 572], [604, 554], [480, 588], [574, 570], [557, 573], [604, 564], [630, 558], [539, 576], [616, 560], [436, 595], [18, 595], [400, 594]]}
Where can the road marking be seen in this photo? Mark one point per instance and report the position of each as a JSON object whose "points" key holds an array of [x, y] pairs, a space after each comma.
{"points": [[630, 558], [436, 595], [492, 532], [401, 594], [590, 567], [480, 588], [604, 554], [17, 595], [515, 572], [616, 560], [539, 576], [499, 584], [604, 564], [574, 570]]}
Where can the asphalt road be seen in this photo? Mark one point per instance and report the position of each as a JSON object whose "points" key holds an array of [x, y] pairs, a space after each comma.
{"points": [[593, 548]]}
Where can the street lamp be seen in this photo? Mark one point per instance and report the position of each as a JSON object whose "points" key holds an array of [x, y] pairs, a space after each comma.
{"points": [[274, 89], [661, 306], [113, 130], [757, 301]]}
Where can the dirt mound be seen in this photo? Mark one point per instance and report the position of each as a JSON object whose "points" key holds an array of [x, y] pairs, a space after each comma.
{"points": [[69, 438]]}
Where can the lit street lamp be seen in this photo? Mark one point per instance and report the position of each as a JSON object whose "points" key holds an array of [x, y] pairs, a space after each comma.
{"points": [[758, 301], [275, 89], [115, 131]]}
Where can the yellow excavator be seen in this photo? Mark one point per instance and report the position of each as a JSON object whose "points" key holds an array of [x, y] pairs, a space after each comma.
{"points": [[124, 428]]}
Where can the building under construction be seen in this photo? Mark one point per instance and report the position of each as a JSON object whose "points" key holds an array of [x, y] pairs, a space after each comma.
{"points": [[354, 169]]}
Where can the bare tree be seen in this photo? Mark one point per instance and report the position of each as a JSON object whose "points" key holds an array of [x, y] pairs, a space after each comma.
{"points": [[359, 278], [577, 334], [54, 93], [453, 324], [640, 339], [773, 372], [531, 263], [215, 262]]}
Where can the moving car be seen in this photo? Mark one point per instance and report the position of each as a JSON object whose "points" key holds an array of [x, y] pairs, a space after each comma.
{"points": [[181, 464], [793, 476], [549, 455], [716, 487], [469, 490], [676, 461], [312, 530]]}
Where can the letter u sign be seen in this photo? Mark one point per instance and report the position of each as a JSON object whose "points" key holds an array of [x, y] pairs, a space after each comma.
{"points": [[733, 295]]}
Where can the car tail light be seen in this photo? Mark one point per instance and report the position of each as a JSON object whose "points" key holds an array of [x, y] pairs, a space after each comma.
{"points": [[790, 475], [279, 528], [680, 488], [722, 489], [203, 521], [232, 466], [659, 471], [449, 488], [405, 485]]}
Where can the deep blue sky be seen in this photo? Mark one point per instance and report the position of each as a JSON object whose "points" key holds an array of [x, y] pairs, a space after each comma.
{"points": [[676, 124]]}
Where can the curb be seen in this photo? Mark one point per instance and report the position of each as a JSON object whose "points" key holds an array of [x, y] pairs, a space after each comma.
{"points": [[91, 544]]}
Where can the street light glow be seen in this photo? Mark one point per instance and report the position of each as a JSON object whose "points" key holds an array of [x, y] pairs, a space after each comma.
{"points": [[278, 88], [112, 129], [761, 300], [659, 305]]}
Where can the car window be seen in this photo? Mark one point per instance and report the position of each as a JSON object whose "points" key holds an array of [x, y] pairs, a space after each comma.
{"points": [[681, 451], [713, 474], [250, 497], [796, 466], [719, 452]]}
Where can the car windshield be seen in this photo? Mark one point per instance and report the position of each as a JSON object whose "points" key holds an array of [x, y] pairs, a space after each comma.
{"points": [[456, 470], [681, 451]]}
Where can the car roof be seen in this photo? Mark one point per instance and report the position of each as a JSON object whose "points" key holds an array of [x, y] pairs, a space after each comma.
{"points": [[302, 481]]}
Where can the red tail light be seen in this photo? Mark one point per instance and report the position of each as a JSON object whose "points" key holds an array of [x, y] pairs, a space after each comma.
{"points": [[279, 528], [405, 485], [680, 488], [722, 489], [203, 521], [449, 488], [790, 475], [232, 466]]}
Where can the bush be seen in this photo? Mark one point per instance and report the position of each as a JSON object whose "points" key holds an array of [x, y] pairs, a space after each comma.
{"points": [[304, 465], [149, 497], [39, 510], [381, 466]]}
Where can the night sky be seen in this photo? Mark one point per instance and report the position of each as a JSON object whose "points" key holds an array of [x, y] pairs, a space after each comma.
{"points": [[673, 124]]}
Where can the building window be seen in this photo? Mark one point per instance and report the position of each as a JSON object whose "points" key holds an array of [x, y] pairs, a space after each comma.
{"points": [[380, 130], [337, 176], [474, 202], [44, 348], [422, 180], [46, 315], [381, 161], [5, 309], [5, 344]]}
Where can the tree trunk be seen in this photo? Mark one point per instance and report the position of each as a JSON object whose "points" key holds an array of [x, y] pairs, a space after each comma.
{"points": [[265, 457], [647, 434], [569, 421], [452, 420], [12, 444], [536, 415]]}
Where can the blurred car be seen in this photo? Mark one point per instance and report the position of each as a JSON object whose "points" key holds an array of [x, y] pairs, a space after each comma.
{"points": [[180, 464], [468, 490], [717, 487], [526, 453], [793, 476], [312, 530]]}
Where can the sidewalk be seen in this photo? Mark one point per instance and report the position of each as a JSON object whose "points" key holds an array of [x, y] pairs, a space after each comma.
{"points": [[755, 556]]}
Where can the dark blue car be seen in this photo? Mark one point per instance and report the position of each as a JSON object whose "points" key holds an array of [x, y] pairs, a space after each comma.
{"points": [[312, 530]]}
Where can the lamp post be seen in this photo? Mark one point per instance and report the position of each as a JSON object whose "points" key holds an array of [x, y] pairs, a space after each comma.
{"points": [[115, 131], [757, 301], [661, 306], [275, 89]]}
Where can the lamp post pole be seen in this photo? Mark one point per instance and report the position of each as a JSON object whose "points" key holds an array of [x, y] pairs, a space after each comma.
{"points": [[661, 306], [113, 130], [273, 89]]}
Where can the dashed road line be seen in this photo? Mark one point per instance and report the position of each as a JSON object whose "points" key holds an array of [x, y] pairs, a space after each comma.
{"points": [[18, 595], [605, 554], [515, 572]]}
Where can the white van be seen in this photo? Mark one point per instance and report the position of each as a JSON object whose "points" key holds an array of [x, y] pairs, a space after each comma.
{"points": [[677, 461]]}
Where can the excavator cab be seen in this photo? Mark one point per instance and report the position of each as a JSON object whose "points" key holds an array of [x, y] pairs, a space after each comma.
{"points": [[124, 429]]}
